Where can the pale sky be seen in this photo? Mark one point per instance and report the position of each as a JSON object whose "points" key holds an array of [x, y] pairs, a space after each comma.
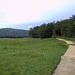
{"points": [[23, 14]]}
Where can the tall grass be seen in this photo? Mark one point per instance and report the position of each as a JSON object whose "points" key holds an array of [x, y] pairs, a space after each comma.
{"points": [[28, 56]]}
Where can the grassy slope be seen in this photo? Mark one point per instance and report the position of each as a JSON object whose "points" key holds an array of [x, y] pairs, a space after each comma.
{"points": [[30, 56]]}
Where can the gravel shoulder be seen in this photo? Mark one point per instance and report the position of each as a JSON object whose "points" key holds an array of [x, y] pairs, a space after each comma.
{"points": [[67, 63]]}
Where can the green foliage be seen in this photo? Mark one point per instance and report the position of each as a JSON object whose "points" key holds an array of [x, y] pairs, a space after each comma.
{"points": [[49, 30], [60, 28], [30, 56], [33, 32], [67, 27], [42, 31]]}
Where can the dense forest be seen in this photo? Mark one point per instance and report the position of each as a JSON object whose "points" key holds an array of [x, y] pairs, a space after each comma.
{"points": [[60, 28], [13, 33]]}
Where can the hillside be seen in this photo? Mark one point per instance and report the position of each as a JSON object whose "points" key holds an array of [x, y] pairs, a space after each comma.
{"points": [[9, 32]]}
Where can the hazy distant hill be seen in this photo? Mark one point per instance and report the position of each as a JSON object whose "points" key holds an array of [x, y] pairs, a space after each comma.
{"points": [[9, 32]]}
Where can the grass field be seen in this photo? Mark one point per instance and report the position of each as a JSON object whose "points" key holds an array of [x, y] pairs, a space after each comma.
{"points": [[28, 56]]}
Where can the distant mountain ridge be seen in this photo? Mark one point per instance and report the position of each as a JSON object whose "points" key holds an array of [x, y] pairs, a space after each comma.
{"points": [[14, 33]]}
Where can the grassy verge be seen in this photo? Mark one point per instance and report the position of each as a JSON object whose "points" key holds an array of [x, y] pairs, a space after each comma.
{"points": [[69, 38], [30, 56]]}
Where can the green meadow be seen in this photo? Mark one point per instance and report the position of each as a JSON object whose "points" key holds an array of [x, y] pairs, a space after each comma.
{"points": [[30, 56]]}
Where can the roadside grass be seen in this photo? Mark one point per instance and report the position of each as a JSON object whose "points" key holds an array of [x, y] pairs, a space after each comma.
{"points": [[30, 56], [69, 38]]}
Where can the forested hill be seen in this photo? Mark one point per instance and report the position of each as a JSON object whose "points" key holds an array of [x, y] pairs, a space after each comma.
{"points": [[13, 33], [53, 29]]}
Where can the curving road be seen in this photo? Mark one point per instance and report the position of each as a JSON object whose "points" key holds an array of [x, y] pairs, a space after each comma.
{"points": [[67, 63]]}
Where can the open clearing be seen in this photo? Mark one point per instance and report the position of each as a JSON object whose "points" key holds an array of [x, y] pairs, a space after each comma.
{"points": [[29, 56]]}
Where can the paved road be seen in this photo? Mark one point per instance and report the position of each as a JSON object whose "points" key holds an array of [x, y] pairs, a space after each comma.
{"points": [[67, 63]]}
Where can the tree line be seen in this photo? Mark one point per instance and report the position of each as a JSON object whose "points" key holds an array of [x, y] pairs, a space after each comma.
{"points": [[60, 28]]}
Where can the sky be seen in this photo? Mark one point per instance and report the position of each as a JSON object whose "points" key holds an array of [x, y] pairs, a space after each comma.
{"points": [[24, 14]]}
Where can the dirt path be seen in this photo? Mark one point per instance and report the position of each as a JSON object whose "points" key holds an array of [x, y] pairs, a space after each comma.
{"points": [[67, 63]]}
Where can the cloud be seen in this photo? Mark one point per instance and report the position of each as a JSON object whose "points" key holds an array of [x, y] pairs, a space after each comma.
{"points": [[17, 11], [28, 11], [29, 27]]}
